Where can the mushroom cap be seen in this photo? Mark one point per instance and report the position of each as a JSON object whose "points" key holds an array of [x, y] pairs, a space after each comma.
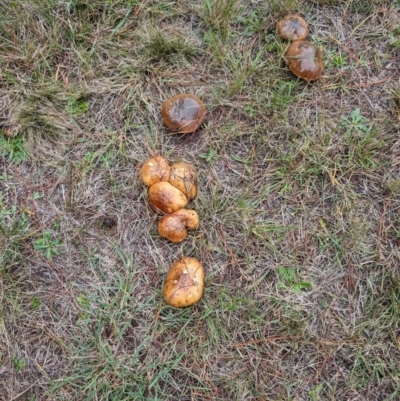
{"points": [[174, 226], [184, 177], [184, 283], [183, 113], [166, 198], [305, 60], [155, 169], [292, 27], [189, 217]]}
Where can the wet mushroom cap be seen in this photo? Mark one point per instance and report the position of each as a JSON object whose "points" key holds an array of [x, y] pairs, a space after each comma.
{"points": [[166, 198], [184, 283], [292, 27], [155, 169], [184, 177], [305, 60], [183, 113], [174, 226]]}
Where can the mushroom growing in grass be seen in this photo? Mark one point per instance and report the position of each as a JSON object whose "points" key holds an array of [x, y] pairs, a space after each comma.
{"points": [[184, 283], [183, 113], [292, 27], [184, 177], [305, 60], [166, 198], [155, 169], [176, 225]]}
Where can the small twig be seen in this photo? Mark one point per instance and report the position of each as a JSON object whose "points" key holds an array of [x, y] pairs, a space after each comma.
{"points": [[381, 227], [367, 84]]}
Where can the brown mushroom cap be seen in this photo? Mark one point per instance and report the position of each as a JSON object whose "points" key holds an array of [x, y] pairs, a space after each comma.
{"points": [[166, 198], [155, 169], [305, 60], [184, 177], [292, 27], [184, 283], [174, 226], [183, 113]]}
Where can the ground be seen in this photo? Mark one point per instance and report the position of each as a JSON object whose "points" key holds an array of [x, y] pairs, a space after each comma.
{"points": [[299, 197]]}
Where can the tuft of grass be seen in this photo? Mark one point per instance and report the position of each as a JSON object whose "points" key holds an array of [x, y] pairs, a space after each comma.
{"points": [[162, 47], [13, 148], [218, 16]]}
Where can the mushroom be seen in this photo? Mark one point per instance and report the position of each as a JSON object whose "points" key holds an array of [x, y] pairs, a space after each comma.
{"points": [[183, 113], [155, 169], [184, 177], [184, 283], [305, 60], [166, 198], [292, 27], [174, 226]]}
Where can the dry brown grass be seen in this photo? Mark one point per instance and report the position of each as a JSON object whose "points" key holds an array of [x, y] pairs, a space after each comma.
{"points": [[299, 202]]}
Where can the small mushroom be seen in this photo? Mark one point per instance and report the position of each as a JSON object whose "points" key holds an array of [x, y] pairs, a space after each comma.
{"points": [[184, 283], [155, 169], [292, 27], [305, 60], [183, 113], [184, 177], [166, 198], [174, 226]]}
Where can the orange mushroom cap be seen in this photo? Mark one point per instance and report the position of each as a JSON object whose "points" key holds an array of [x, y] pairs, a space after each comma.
{"points": [[292, 27], [166, 198], [154, 170], [183, 113], [184, 283], [184, 177], [174, 226], [305, 60]]}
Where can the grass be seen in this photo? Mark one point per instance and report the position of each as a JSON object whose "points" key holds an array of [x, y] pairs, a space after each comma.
{"points": [[298, 202]]}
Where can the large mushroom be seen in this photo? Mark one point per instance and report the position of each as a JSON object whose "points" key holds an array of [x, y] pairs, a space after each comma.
{"points": [[166, 198], [292, 27], [184, 177], [305, 60], [176, 225], [155, 169], [183, 113], [184, 283]]}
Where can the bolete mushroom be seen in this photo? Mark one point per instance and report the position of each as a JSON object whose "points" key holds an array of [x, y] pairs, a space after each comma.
{"points": [[166, 198], [155, 169], [183, 113], [175, 226], [305, 60], [184, 177], [184, 283], [292, 27]]}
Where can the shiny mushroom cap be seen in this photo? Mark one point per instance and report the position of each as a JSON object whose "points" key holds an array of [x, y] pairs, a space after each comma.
{"points": [[174, 226], [305, 60], [184, 283], [155, 169], [183, 113], [292, 27], [184, 177], [166, 198]]}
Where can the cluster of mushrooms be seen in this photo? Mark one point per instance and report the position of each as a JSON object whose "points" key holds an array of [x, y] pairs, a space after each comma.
{"points": [[303, 58], [170, 188]]}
